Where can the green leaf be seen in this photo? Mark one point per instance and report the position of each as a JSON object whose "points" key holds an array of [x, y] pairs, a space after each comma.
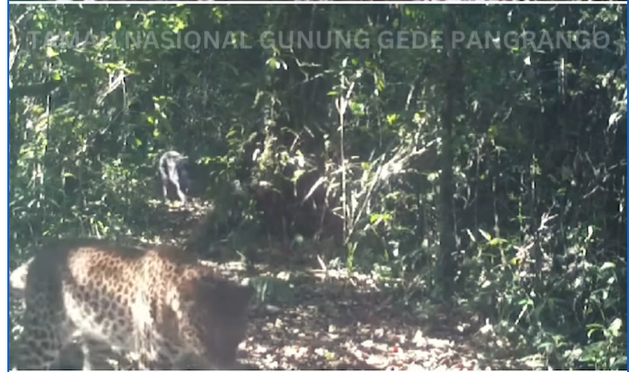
{"points": [[496, 241], [485, 235], [607, 265], [392, 119], [273, 63], [615, 327], [51, 53]]}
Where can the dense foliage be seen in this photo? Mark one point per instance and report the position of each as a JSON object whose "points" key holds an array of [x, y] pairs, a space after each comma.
{"points": [[491, 179]]}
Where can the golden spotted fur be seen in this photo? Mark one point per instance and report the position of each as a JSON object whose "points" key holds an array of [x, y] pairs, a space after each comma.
{"points": [[159, 306]]}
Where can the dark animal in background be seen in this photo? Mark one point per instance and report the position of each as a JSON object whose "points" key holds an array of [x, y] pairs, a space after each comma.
{"points": [[175, 170]]}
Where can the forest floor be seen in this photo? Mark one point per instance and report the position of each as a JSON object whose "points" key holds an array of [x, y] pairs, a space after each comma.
{"points": [[311, 317]]}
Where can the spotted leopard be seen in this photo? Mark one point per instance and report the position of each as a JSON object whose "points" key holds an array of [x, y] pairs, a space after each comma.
{"points": [[159, 306]]}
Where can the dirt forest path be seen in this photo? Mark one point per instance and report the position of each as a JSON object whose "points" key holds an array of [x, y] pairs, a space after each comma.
{"points": [[307, 317]]}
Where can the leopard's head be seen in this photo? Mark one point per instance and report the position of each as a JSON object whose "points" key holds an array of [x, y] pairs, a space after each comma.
{"points": [[217, 310]]}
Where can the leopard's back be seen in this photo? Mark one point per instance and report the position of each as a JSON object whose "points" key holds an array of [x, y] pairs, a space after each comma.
{"points": [[92, 283]]}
